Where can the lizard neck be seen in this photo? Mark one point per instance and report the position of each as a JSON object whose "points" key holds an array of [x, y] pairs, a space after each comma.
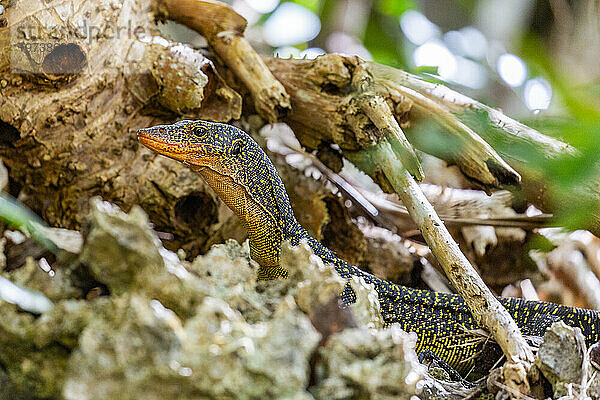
{"points": [[267, 227]]}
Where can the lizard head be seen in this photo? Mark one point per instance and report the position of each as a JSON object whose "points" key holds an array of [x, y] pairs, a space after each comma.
{"points": [[197, 144], [225, 156]]}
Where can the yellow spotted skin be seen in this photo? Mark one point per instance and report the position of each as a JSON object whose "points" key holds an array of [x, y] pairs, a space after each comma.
{"points": [[233, 164]]}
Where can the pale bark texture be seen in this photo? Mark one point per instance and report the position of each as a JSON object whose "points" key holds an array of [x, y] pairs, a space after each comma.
{"points": [[68, 136]]}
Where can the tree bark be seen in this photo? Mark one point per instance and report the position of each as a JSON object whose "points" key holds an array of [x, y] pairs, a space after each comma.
{"points": [[71, 135]]}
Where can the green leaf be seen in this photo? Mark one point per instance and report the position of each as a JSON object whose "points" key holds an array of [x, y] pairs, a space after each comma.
{"points": [[383, 44], [540, 243]]}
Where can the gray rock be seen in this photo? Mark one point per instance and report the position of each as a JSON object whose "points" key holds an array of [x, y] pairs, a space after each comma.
{"points": [[206, 329], [143, 350], [120, 246], [369, 364], [562, 359], [123, 252]]}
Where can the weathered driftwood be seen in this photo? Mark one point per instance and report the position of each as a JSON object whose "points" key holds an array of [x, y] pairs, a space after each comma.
{"points": [[325, 111], [66, 137], [519, 144], [326, 108], [224, 29]]}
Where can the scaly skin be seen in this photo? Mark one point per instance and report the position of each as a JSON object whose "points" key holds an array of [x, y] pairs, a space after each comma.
{"points": [[239, 171]]}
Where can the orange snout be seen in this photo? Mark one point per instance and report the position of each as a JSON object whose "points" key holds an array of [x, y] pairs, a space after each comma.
{"points": [[158, 141]]}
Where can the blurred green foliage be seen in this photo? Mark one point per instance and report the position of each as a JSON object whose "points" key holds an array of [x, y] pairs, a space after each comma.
{"points": [[573, 179], [18, 216]]}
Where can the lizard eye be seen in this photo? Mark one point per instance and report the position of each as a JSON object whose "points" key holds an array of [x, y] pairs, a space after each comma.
{"points": [[198, 131], [236, 148]]}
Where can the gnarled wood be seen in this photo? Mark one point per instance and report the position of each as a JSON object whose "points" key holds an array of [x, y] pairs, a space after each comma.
{"points": [[224, 30]]}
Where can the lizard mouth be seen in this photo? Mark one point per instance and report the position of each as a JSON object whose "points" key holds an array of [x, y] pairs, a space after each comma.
{"points": [[176, 151], [165, 148]]}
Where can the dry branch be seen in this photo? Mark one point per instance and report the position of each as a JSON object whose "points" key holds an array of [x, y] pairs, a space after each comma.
{"points": [[224, 30], [452, 101], [324, 109], [509, 137], [486, 309]]}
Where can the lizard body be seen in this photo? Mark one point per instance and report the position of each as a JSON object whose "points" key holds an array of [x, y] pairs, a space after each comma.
{"points": [[233, 164]]}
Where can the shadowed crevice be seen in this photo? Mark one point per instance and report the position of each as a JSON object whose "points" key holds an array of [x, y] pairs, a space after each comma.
{"points": [[196, 211], [64, 59], [8, 134]]}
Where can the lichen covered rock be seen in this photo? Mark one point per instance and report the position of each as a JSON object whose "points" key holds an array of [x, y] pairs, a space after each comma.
{"points": [[169, 328], [143, 350], [562, 359], [371, 364]]}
